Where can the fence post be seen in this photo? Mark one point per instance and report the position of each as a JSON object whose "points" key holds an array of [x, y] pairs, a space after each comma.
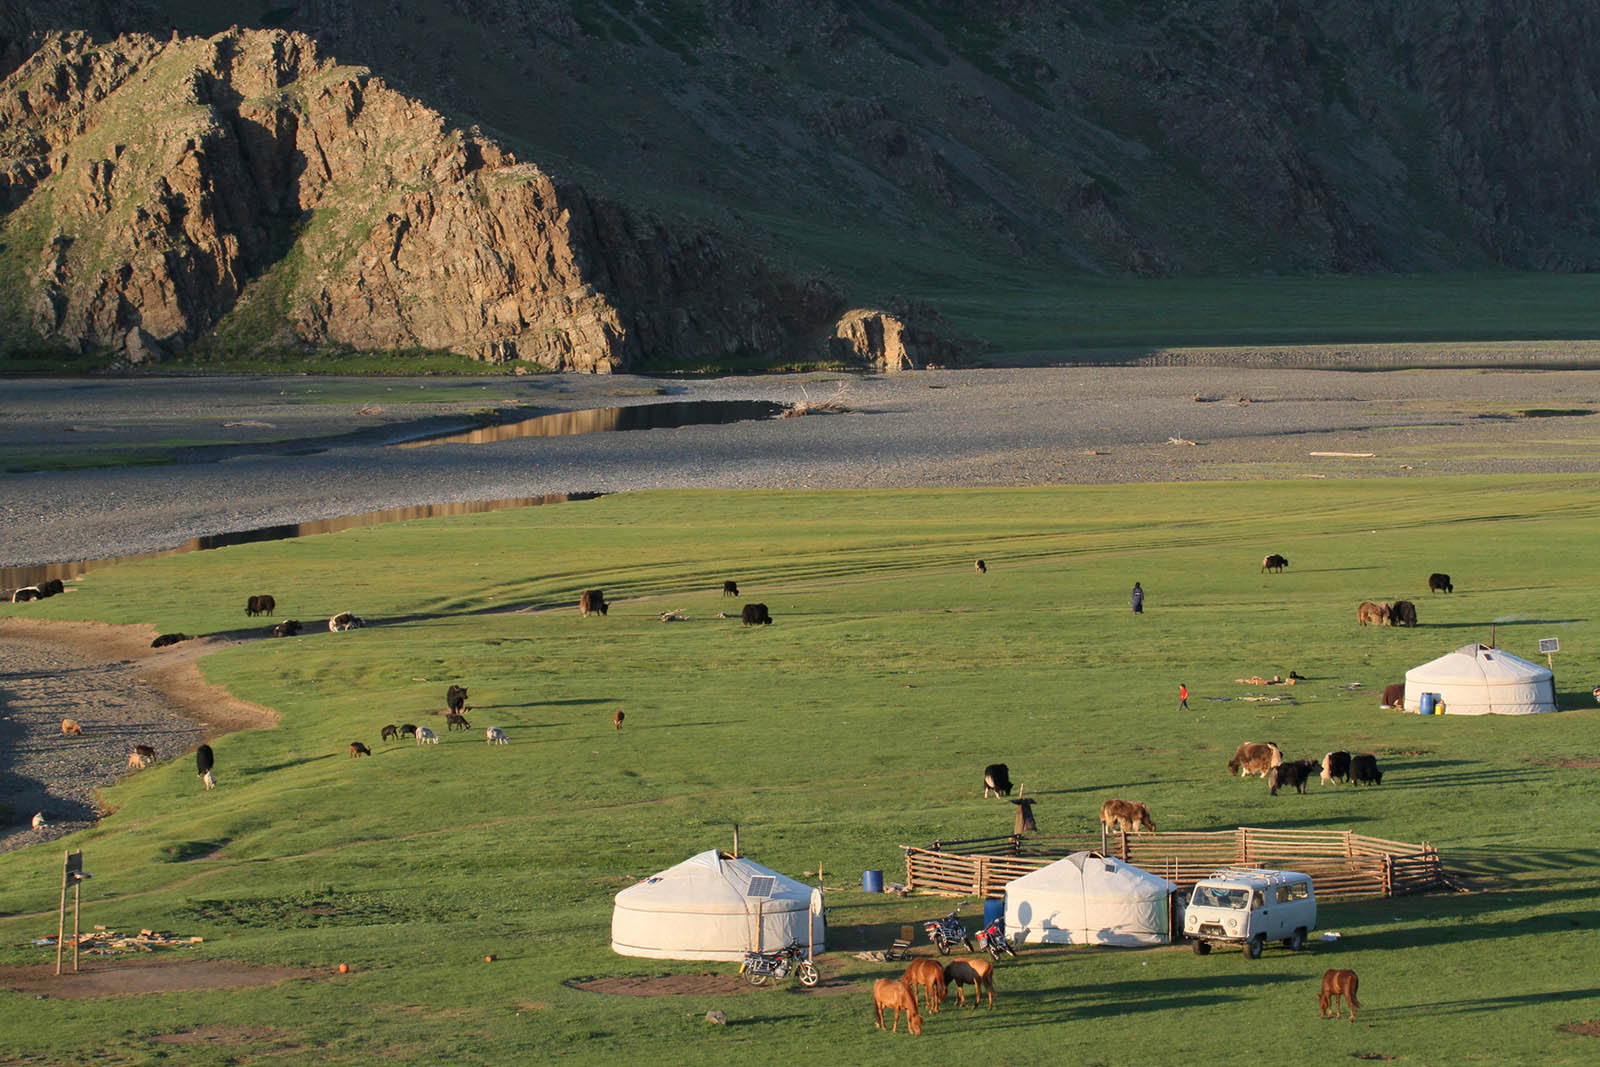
{"points": [[1242, 851], [1348, 848], [980, 878], [1388, 875]]}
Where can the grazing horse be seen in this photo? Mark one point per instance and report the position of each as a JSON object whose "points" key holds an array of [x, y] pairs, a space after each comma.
{"points": [[1336, 984], [889, 993]]}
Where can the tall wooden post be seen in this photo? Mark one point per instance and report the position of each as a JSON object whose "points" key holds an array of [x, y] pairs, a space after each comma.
{"points": [[61, 915]]}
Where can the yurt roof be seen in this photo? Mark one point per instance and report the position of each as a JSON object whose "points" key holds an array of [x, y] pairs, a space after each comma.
{"points": [[714, 882], [1480, 665], [1094, 874]]}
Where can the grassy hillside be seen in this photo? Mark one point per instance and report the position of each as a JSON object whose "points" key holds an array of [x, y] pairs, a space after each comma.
{"points": [[859, 721]]}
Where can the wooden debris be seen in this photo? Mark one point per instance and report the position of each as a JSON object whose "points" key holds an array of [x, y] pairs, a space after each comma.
{"points": [[1178, 441], [1348, 455]]}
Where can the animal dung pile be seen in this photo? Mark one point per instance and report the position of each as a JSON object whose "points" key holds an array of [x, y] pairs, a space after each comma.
{"points": [[102, 941]]}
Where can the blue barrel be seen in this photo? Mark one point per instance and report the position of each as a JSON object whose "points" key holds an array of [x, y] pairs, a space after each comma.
{"points": [[1428, 700], [872, 881], [992, 910]]}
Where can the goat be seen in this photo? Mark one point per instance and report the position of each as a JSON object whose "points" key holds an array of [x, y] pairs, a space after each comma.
{"points": [[426, 736], [390, 733], [358, 749], [454, 721], [496, 736]]}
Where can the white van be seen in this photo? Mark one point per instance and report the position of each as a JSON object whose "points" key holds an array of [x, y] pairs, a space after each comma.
{"points": [[1250, 906]]}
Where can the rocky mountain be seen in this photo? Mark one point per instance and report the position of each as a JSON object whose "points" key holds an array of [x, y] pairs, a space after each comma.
{"points": [[601, 184]]}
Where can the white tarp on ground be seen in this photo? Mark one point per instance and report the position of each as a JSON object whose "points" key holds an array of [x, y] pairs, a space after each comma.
{"points": [[1090, 899], [1478, 680], [713, 907]]}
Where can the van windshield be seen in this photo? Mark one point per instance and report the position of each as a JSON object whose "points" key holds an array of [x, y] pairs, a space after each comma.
{"points": [[1211, 896]]}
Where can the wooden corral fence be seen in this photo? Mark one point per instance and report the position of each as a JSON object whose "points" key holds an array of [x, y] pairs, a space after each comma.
{"points": [[1343, 865]]}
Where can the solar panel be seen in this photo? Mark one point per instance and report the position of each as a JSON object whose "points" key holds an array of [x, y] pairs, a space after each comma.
{"points": [[761, 885]]}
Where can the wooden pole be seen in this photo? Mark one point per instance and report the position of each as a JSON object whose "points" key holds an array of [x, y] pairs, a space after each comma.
{"points": [[735, 840], [77, 887], [61, 915]]}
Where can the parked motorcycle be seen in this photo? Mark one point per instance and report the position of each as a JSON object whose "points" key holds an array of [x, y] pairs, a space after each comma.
{"points": [[759, 967], [992, 939], [948, 932]]}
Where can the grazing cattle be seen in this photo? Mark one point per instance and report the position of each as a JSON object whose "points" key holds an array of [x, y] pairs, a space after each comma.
{"points": [[454, 721], [1364, 769], [730, 588], [26, 593], [1025, 823], [426, 736], [1126, 815], [927, 976], [408, 730], [1336, 984], [358, 749], [70, 728], [455, 698], [996, 776], [980, 566], [345, 621], [1394, 696], [616, 720], [1296, 773], [1403, 613], [980, 972], [1440, 583], [1335, 767], [889, 993], [755, 615], [593, 600], [260, 605], [390, 733], [204, 761], [1274, 562], [1254, 757], [496, 736], [287, 628], [169, 639], [1371, 613]]}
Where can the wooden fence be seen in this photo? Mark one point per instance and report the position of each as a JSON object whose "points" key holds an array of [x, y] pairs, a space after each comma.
{"points": [[1343, 865]]}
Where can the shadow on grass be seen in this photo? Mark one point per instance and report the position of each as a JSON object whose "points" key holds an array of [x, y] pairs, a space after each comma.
{"points": [[1502, 861], [1457, 1007], [286, 764], [1066, 1003]]}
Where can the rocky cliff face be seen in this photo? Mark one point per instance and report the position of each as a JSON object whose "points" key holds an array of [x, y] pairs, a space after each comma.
{"points": [[668, 152], [155, 186]]}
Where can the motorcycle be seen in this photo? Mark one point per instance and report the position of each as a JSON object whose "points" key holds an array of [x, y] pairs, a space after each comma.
{"points": [[948, 932], [759, 967], [992, 939]]}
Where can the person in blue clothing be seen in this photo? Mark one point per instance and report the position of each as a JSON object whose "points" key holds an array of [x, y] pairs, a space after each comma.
{"points": [[1138, 599]]}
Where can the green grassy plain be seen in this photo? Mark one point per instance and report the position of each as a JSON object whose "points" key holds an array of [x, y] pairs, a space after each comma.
{"points": [[858, 722]]}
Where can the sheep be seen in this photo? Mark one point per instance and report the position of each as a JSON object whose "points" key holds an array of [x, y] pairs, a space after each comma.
{"points": [[496, 736], [345, 621], [70, 728], [426, 736]]}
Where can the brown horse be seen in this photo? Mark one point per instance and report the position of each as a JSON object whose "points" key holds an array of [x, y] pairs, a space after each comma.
{"points": [[1336, 984]]}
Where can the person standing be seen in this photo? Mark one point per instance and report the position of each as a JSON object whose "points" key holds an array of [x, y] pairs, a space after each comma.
{"points": [[1183, 697], [1138, 599]]}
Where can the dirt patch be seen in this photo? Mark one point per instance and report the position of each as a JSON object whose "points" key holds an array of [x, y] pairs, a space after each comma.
{"points": [[120, 980], [690, 985], [1583, 763], [222, 1035], [1590, 1028], [121, 691]]}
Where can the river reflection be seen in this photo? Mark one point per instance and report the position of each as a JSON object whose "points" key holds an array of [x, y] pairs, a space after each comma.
{"points": [[14, 577], [606, 420]]}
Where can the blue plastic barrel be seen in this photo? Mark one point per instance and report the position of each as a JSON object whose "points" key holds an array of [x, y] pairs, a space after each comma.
{"points": [[872, 881], [992, 910], [1428, 700]]}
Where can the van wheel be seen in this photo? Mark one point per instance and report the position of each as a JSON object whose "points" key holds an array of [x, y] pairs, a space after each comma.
{"points": [[1296, 941], [1253, 947], [1202, 948]]}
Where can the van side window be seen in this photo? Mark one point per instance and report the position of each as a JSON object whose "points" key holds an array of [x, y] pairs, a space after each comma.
{"points": [[1293, 891]]}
